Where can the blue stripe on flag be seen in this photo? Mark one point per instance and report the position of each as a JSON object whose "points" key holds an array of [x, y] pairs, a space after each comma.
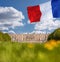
{"points": [[56, 8]]}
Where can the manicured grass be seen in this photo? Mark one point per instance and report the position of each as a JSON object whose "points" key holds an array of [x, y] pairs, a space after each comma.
{"points": [[28, 52]]}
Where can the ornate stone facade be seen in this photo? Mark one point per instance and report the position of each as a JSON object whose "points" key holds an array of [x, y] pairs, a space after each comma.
{"points": [[29, 37]]}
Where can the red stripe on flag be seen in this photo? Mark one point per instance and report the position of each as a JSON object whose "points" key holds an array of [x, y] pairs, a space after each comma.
{"points": [[34, 13]]}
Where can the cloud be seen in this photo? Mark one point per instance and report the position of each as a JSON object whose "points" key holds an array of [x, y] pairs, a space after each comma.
{"points": [[4, 28], [10, 14], [38, 32], [10, 18], [10, 32], [47, 22], [51, 24], [28, 21]]}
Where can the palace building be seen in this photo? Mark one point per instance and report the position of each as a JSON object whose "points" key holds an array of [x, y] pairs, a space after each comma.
{"points": [[29, 37]]}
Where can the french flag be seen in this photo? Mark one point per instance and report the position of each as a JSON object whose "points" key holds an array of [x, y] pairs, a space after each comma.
{"points": [[44, 11]]}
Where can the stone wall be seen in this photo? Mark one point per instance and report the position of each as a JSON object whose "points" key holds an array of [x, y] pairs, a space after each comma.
{"points": [[29, 37]]}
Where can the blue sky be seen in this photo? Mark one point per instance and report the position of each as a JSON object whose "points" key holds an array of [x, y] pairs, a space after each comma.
{"points": [[21, 7]]}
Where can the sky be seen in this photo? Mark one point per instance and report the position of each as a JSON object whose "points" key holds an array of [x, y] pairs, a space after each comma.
{"points": [[14, 18]]}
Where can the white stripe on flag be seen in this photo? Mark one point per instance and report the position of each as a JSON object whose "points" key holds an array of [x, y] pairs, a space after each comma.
{"points": [[46, 11]]}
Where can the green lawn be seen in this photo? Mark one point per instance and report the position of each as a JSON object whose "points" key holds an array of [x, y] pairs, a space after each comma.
{"points": [[27, 52]]}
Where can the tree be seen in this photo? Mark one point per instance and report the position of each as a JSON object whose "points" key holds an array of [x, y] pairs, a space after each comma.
{"points": [[1, 36], [55, 35], [7, 37], [4, 37]]}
